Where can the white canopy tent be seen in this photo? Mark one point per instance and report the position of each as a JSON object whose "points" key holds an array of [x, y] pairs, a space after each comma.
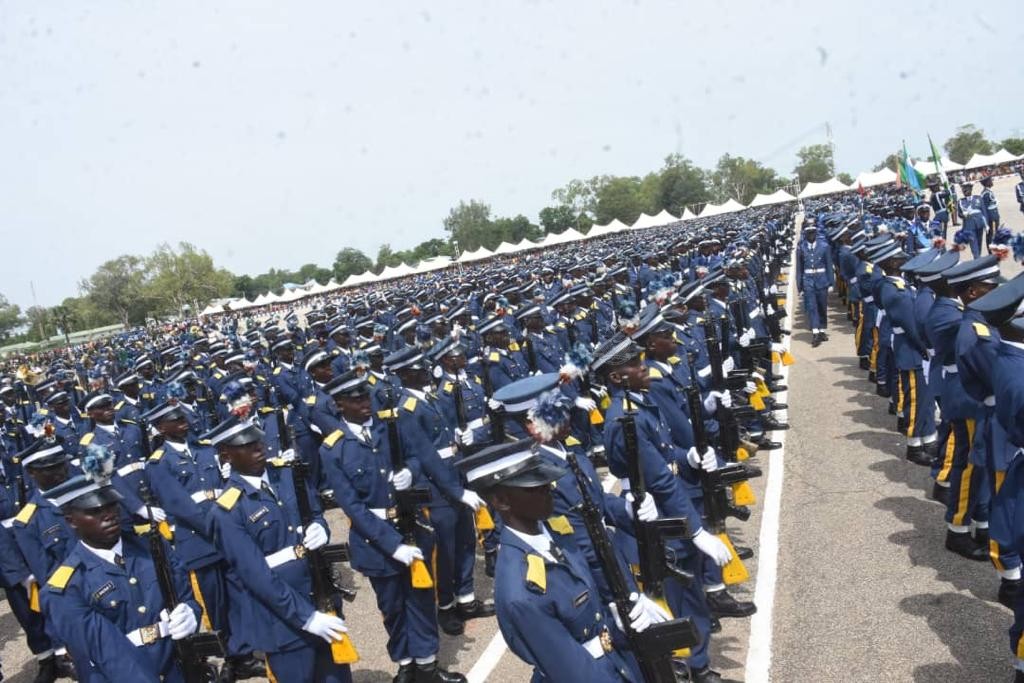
{"points": [[927, 166], [872, 179], [776, 197], [570, 235], [481, 253], [731, 205], [664, 218], [434, 263], [710, 210], [524, 244], [644, 221], [817, 189], [980, 160], [687, 215], [360, 279], [392, 272], [505, 248]]}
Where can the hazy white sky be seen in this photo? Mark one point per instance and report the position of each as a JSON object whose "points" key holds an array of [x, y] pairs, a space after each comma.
{"points": [[274, 133]]}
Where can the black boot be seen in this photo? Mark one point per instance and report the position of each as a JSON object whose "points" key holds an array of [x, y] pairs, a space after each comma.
{"points": [[871, 374], [917, 455], [1009, 589], [723, 605], [931, 449], [815, 340], [882, 391], [240, 668], [474, 610], [705, 675], [865, 363], [963, 545], [66, 667], [1018, 677], [776, 388], [490, 559], [981, 536], [406, 674], [47, 672], [743, 552], [823, 335], [772, 425], [892, 406], [432, 673], [764, 444], [716, 625], [901, 424], [448, 620], [940, 494]]}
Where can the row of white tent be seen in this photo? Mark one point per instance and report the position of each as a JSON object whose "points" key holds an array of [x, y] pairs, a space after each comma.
{"points": [[866, 180]]}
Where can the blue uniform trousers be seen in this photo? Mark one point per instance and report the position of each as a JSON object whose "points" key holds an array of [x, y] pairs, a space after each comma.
{"points": [[456, 551], [967, 499], [410, 616], [815, 306], [916, 403], [689, 601], [311, 662], [31, 622]]}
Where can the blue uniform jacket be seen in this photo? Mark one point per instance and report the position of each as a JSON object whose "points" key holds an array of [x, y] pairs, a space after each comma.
{"points": [[43, 536], [814, 266]]}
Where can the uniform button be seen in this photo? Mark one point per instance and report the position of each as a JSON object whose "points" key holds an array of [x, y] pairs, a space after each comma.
{"points": [[142, 609], [280, 504], [291, 529], [113, 603], [586, 631], [132, 580], [266, 523], [597, 617]]}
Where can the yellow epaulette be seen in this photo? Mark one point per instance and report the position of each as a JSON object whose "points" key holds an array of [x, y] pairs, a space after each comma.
{"points": [[494, 357], [981, 329], [674, 360], [217, 375], [654, 373], [265, 410], [386, 414], [410, 404], [120, 404], [204, 442], [86, 439], [448, 386], [261, 378], [581, 315], [572, 441], [699, 320], [333, 437], [560, 525], [371, 379], [560, 325], [279, 462], [228, 499], [536, 573], [277, 370], [477, 380], [25, 515], [157, 454], [513, 346], [60, 577], [311, 400], [869, 268]]}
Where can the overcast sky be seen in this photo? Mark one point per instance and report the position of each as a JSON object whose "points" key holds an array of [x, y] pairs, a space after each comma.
{"points": [[274, 133]]}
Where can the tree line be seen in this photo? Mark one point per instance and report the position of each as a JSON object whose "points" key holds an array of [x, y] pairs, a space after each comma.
{"points": [[128, 290]]}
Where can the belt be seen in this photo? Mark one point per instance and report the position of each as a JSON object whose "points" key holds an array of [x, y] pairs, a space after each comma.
{"points": [[813, 271], [853, 280], [208, 494], [950, 369], [147, 635], [897, 330], [286, 555], [130, 467], [7, 523], [989, 401], [387, 514], [599, 645], [756, 313], [705, 371], [446, 453], [476, 424], [868, 299]]}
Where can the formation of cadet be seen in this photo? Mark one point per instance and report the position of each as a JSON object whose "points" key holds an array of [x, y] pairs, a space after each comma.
{"points": [[941, 334], [583, 420]]}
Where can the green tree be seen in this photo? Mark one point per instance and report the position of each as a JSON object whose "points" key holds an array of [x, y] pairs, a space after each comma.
{"points": [[515, 229], [967, 141], [1014, 146], [469, 224], [118, 286], [10, 318], [681, 183], [555, 219], [579, 196], [845, 178], [63, 319], [184, 279], [814, 164], [37, 323], [311, 271], [740, 179], [619, 197], [890, 162], [386, 256], [350, 261], [429, 249]]}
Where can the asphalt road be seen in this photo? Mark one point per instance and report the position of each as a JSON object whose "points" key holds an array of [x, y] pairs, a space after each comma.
{"points": [[865, 590]]}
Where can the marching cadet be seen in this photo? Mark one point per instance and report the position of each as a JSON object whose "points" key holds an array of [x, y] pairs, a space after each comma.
{"points": [[939, 200], [150, 389], [127, 407], [972, 210], [990, 207], [551, 610], [814, 279], [185, 477], [1018, 191], [285, 376], [542, 350], [66, 419], [104, 600], [501, 363], [256, 526], [451, 360], [358, 465]]}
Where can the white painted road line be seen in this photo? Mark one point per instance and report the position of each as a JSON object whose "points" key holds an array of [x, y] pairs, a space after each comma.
{"points": [[759, 649]]}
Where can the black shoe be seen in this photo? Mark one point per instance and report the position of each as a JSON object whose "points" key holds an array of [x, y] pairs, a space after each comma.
{"points": [[705, 675], [723, 605], [47, 672], [716, 625], [752, 470], [406, 674], [776, 388], [66, 667], [774, 378], [981, 536], [772, 425], [743, 552], [771, 404], [963, 545], [448, 620], [1018, 677], [242, 668], [474, 610], [892, 406], [917, 455], [824, 336], [883, 391], [871, 375], [901, 424], [432, 673], [865, 363], [1009, 589], [765, 444], [816, 340], [490, 559], [940, 494]]}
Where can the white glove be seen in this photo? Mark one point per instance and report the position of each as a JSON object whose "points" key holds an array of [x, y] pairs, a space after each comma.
{"points": [[27, 582], [225, 470], [154, 513], [750, 387], [471, 499], [773, 289], [456, 331], [770, 309], [648, 511], [182, 622], [288, 455], [315, 537], [645, 613], [778, 348], [713, 547], [464, 437], [717, 398], [831, 289], [493, 405], [707, 462], [728, 365], [600, 391], [745, 338], [407, 553], [402, 479], [585, 404], [326, 626]]}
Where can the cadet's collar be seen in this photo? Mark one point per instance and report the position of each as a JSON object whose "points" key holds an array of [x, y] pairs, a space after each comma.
{"points": [[131, 401], [418, 393], [109, 429], [181, 447], [107, 555], [286, 366], [255, 482], [357, 429], [540, 542]]}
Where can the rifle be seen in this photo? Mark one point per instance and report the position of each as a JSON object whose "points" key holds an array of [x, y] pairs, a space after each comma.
{"points": [[497, 417], [191, 652], [531, 353], [592, 319], [327, 589], [409, 501], [654, 647], [713, 484], [484, 521], [656, 562]]}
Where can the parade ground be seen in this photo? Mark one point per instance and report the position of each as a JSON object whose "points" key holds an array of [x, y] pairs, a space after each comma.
{"points": [[850, 574]]}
